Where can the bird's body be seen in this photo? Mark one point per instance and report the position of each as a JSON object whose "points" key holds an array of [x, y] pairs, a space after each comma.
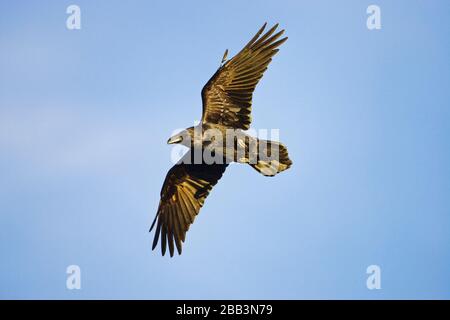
{"points": [[218, 140]]}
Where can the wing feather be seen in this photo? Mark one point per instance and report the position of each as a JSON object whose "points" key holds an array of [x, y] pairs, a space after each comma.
{"points": [[227, 96], [183, 194]]}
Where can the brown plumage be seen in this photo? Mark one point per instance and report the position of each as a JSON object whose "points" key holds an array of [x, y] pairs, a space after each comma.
{"points": [[227, 100], [227, 97]]}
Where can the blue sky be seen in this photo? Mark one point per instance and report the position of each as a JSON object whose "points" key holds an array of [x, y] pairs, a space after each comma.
{"points": [[85, 116]]}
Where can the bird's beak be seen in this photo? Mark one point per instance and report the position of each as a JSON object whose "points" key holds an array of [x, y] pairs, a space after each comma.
{"points": [[173, 140]]}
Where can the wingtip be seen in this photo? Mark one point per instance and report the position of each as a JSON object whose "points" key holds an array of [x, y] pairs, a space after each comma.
{"points": [[153, 223], [179, 248], [262, 28]]}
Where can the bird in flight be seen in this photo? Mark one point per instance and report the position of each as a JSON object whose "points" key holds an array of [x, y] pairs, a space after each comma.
{"points": [[227, 100]]}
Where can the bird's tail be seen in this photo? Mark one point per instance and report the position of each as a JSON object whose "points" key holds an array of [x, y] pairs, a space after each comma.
{"points": [[272, 158]]}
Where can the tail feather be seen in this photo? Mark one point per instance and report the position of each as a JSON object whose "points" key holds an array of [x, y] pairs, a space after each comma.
{"points": [[272, 158]]}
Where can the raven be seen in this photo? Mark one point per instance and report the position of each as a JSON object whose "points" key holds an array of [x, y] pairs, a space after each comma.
{"points": [[227, 100]]}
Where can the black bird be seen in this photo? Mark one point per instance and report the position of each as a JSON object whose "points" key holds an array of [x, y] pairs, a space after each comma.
{"points": [[227, 100]]}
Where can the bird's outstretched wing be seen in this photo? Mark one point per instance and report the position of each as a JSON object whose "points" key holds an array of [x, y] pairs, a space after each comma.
{"points": [[183, 193], [227, 97]]}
